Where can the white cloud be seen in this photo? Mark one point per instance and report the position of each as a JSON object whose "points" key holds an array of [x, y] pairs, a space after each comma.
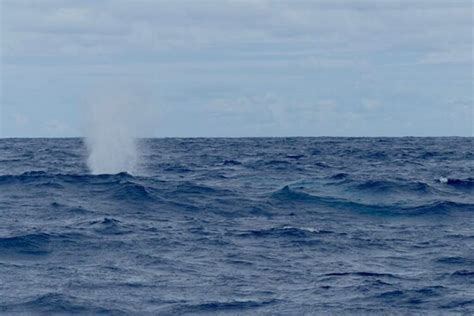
{"points": [[56, 127], [450, 56], [21, 120], [371, 104], [327, 105]]}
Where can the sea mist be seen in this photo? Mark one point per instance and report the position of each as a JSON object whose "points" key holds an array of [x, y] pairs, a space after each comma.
{"points": [[111, 137]]}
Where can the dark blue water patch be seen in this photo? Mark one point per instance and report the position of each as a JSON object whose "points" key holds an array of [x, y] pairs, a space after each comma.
{"points": [[436, 154], [79, 210], [58, 304], [429, 154], [362, 274], [315, 152], [222, 307], [439, 207], [462, 261], [413, 296], [287, 195], [64, 209], [31, 244], [463, 274], [387, 187], [231, 162], [276, 163], [56, 204], [23, 178], [465, 305], [109, 226], [339, 176], [36, 245], [180, 206], [190, 188], [39, 177], [129, 191], [175, 168], [96, 180], [322, 165], [467, 183], [284, 232], [378, 155]]}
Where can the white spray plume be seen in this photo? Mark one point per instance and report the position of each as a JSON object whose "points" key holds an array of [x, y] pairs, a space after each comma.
{"points": [[111, 136]]}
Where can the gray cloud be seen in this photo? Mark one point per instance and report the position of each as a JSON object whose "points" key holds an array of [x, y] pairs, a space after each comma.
{"points": [[52, 27]]}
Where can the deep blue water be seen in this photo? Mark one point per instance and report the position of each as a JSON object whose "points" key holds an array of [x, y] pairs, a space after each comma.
{"points": [[283, 226]]}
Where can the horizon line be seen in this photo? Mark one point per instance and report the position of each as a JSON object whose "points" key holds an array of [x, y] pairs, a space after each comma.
{"points": [[241, 137]]}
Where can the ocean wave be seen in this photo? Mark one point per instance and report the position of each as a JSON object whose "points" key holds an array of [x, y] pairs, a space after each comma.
{"points": [[175, 168], [467, 183], [36, 176], [36, 244], [129, 191], [401, 187], [121, 186], [287, 195], [456, 260], [387, 186], [277, 163], [56, 303], [108, 226], [455, 304], [31, 244], [379, 155], [231, 162], [229, 306], [339, 176], [197, 189], [463, 274], [322, 165], [439, 207], [412, 296], [285, 231], [362, 274]]}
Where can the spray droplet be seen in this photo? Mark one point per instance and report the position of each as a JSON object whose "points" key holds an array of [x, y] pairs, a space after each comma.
{"points": [[110, 138], [443, 180]]}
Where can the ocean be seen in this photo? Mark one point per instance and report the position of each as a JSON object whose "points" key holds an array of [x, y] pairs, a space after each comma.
{"points": [[254, 226]]}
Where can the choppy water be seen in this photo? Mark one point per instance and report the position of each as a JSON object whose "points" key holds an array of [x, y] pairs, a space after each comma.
{"points": [[240, 226]]}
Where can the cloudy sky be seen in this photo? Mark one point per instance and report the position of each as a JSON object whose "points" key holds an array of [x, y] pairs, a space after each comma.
{"points": [[240, 68]]}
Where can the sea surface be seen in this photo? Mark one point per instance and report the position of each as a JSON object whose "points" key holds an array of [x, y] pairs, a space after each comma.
{"points": [[255, 226]]}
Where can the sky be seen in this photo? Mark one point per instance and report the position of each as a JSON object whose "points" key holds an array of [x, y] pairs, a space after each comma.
{"points": [[239, 68]]}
